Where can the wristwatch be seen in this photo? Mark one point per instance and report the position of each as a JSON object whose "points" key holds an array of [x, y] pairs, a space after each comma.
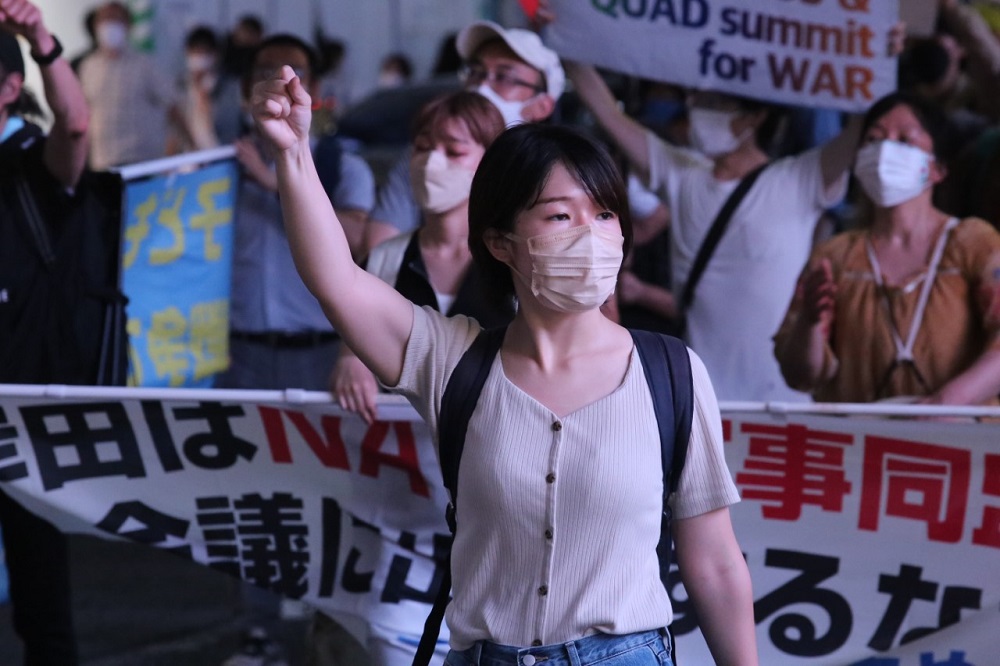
{"points": [[51, 56]]}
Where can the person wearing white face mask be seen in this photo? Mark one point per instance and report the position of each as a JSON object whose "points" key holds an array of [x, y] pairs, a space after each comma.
{"points": [[748, 277], [907, 307], [431, 265], [131, 100], [518, 74], [197, 88], [432, 268], [562, 482]]}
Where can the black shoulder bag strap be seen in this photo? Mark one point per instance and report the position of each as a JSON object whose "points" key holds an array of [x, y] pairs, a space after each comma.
{"points": [[457, 404], [714, 235], [667, 367]]}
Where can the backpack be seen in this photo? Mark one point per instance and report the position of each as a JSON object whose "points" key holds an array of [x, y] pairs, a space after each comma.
{"points": [[662, 357], [62, 315]]}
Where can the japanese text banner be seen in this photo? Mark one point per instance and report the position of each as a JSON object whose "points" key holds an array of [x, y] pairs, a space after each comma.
{"points": [[176, 268], [821, 53], [870, 541]]}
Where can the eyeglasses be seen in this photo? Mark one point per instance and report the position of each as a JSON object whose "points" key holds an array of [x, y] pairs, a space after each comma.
{"points": [[474, 74]]}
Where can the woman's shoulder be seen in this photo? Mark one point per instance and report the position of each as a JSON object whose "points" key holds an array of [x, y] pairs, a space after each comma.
{"points": [[841, 245], [975, 243], [386, 257], [397, 243], [976, 229]]}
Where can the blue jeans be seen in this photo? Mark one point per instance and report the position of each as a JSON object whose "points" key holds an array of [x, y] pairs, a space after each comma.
{"points": [[647, 648]]}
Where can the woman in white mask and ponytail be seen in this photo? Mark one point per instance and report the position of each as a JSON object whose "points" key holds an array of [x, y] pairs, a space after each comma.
{"points": [[561, 488], [432, 266], [908, 305]]}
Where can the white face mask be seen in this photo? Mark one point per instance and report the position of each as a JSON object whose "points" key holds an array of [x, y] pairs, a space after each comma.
{"points": [[200, 62], [439, 186], [574, 270], [510, 110], [112, 35], [891, 172], [712, 131], [390, 80]]}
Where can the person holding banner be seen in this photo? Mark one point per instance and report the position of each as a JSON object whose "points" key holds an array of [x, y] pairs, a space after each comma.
{"points": [[432, 265], [907, 307], [38, 175], [769, 232], [279, 337], [530, 583]]}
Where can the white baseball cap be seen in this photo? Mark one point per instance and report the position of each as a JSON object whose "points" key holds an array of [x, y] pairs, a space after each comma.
{"points": [[525, 43]]}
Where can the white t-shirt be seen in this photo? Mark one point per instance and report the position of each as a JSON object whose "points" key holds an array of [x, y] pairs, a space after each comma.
{"points": [[749, 281]]}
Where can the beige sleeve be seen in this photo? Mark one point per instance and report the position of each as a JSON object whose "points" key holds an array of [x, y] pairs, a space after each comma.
{"points": [[435, 346], [706, 483]]}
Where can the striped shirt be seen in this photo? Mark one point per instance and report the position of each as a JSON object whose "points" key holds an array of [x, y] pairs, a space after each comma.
{"points": [[559, 517], [129, 98]]}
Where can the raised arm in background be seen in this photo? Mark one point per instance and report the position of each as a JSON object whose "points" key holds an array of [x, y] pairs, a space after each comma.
{"points": [[66, 147], [370, 315], [628, 134]]}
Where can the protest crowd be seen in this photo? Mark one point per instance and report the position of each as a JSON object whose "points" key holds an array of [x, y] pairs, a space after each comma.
{"points": [[803, 254]]}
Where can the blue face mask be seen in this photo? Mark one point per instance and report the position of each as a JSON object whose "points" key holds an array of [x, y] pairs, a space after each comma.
{"points": [[14, 123], [659, 113]]}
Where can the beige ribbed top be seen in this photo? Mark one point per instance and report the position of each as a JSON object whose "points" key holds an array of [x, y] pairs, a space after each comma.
{"points": [[558, 519]]}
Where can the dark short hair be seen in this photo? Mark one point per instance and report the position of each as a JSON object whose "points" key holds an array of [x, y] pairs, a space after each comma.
{"points": [[930, 117], [925, 62], [201, 36], [483, 119], [511, 177], [252, 23], [401, 61], [11, 60], [286, 40]]}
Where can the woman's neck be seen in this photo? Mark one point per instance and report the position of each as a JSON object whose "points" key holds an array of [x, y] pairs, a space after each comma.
{"points": [[740, 162], [546, 336], [446, 229], [911, 222]]}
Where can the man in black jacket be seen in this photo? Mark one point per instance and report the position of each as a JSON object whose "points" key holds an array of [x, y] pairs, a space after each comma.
{"points": [[38, 176]]}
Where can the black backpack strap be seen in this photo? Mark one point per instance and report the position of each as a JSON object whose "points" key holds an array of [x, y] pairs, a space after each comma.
{"points": [[461, 394], [459, 400], [663, 357], [715, 233]]}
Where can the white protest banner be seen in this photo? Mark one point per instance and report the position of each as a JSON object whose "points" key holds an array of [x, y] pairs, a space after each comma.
{"points": [[294, 498], [821, 53], [869, 540]]}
